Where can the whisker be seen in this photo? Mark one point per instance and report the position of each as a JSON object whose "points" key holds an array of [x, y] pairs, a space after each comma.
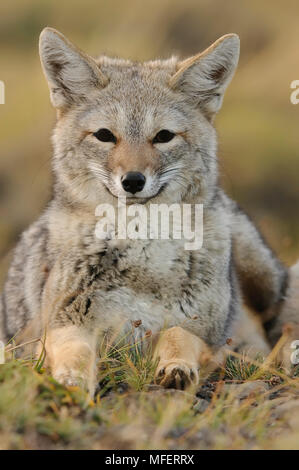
{"points": [[100, 172], [169, 169]]}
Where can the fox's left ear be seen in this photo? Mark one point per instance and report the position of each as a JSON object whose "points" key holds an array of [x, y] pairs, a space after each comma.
{"points": [[205, 76]]}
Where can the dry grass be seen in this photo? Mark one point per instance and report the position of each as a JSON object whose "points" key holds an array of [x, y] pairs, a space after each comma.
{"points": [[245, 405]]}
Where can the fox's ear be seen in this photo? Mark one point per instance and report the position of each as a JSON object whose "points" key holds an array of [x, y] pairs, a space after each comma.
{"points": [[70, 73], [205, 76]]}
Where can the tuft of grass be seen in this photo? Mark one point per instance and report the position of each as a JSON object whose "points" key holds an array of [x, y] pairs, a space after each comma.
{"points": [[240, 368], [125, 365], [128, 412]]}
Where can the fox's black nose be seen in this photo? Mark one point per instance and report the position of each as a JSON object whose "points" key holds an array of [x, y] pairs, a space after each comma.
{"points": [[133, 181]]}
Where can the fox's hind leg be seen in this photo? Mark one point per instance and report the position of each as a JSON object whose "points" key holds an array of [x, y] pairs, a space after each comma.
{"points": [[248, 335], [285, 320], [180, 355], [288, 311], [262, 276]]}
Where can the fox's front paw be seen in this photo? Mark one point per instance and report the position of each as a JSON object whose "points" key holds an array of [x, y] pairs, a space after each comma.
{"points": [[73, 378], [177, 374]]}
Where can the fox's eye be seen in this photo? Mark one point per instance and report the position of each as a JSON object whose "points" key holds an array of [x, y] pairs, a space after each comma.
{"points": [[163, 137], [104, 135]]}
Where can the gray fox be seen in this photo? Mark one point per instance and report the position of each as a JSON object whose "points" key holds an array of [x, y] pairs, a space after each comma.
{"points": [[144, 131]]}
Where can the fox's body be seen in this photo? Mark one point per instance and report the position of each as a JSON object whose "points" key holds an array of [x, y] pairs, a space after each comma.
{"points": [[155, 281], [65, 279]]}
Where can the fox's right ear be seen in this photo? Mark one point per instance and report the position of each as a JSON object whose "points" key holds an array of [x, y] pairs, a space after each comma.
{"points": [[71, 74]]}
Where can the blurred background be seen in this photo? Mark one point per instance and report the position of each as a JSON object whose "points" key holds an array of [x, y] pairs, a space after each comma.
{"points": [[258, 125]]}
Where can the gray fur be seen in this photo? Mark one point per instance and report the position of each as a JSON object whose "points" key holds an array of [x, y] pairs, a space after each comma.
{"points": [[97, 284]]}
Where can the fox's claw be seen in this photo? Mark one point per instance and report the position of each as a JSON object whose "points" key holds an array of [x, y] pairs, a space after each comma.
{"points": [[176, 374]]}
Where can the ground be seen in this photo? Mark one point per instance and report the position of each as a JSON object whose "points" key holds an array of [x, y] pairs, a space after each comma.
{"points": [[244, 405]]}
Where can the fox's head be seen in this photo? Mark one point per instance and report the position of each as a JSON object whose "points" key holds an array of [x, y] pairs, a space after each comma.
{"points": [[140, 130]]}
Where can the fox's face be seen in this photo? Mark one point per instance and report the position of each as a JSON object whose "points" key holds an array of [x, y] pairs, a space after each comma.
{"points": [[142, 131]]}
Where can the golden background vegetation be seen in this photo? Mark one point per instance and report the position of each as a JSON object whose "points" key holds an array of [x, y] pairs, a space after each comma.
{"points": [[258, 125]]}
